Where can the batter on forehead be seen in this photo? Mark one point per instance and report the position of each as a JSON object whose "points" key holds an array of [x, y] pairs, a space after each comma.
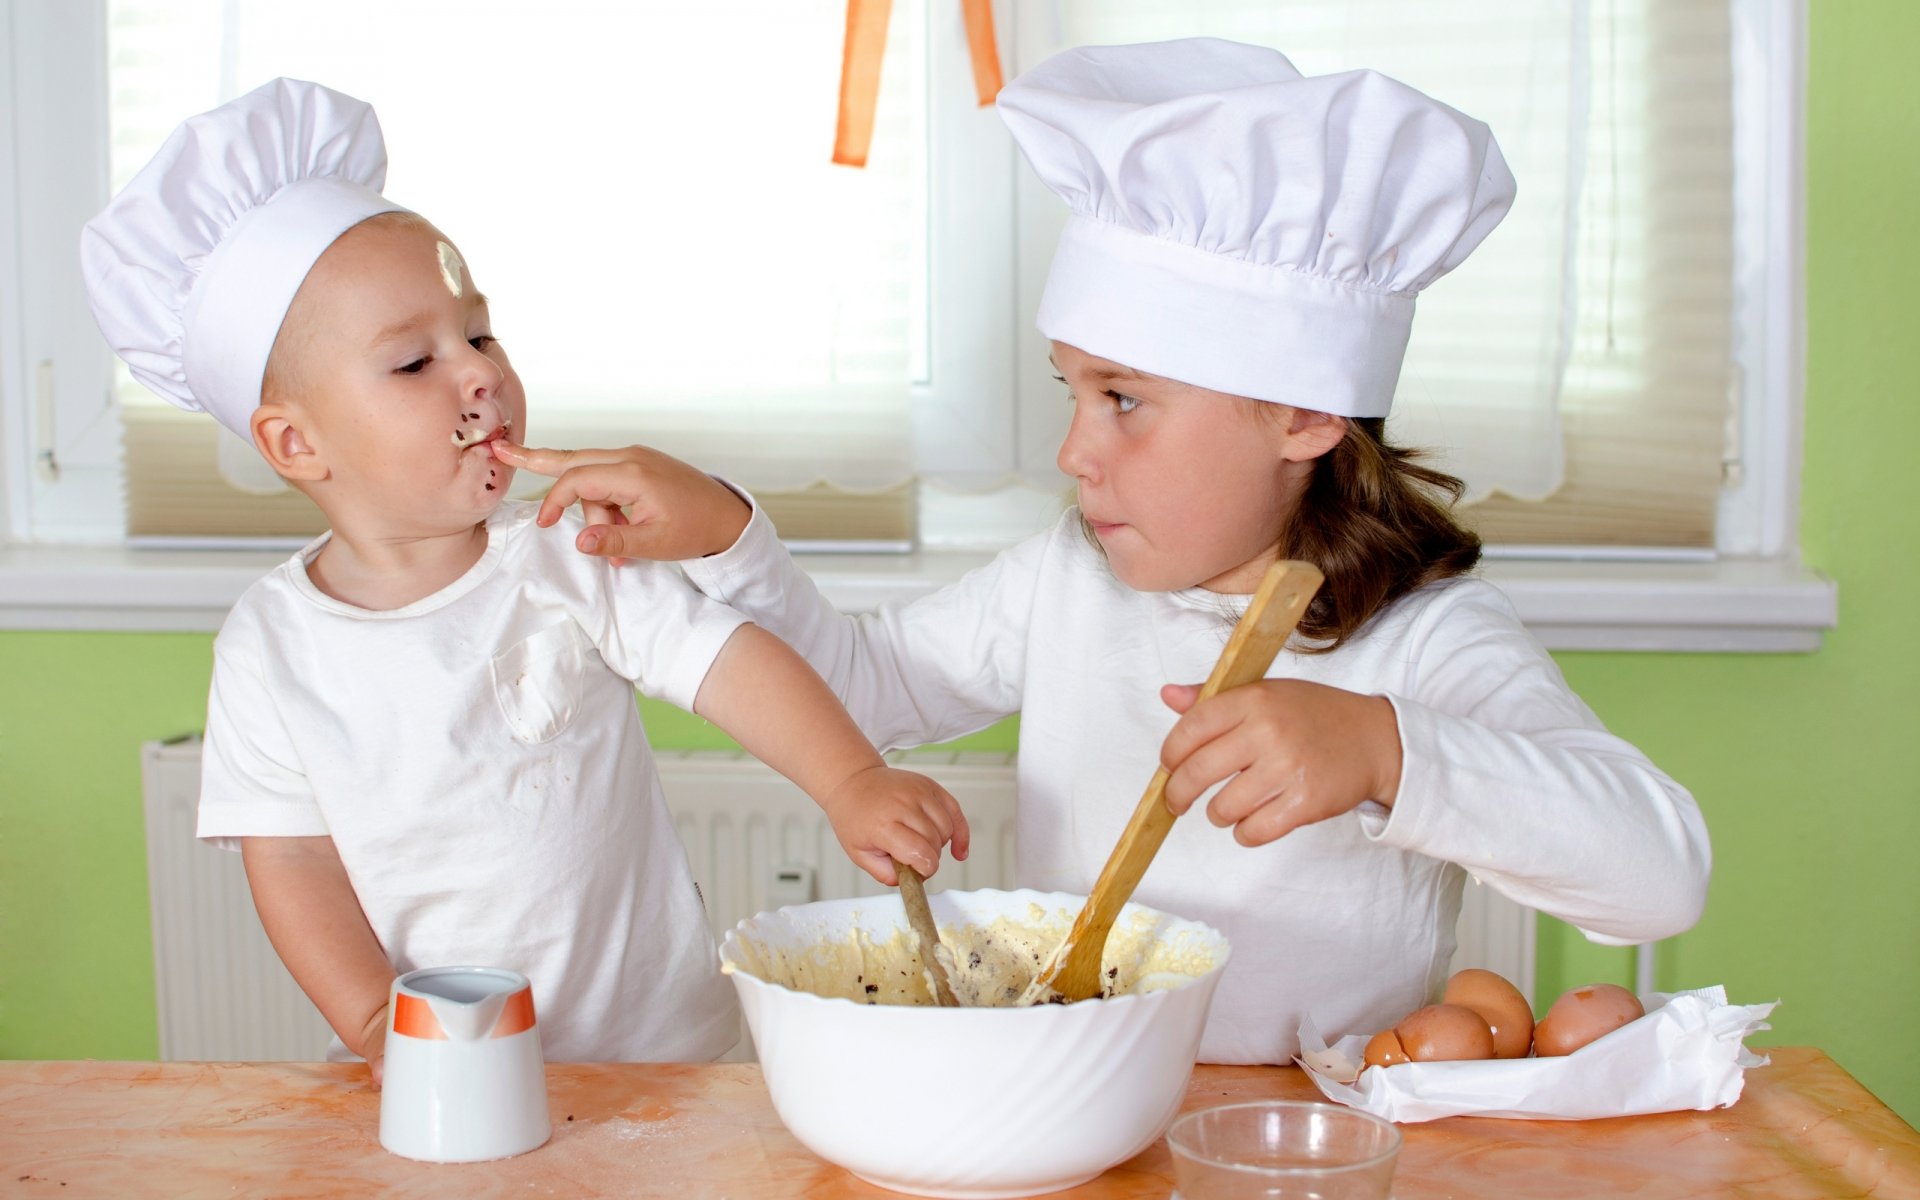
{"points": [[450, 268]]}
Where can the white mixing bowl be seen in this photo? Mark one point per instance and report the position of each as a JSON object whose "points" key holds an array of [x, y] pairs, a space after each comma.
{"points": [[971, 1102]]}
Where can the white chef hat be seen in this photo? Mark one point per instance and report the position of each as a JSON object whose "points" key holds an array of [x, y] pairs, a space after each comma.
{"points": [[1239, 226], [192, 267]]}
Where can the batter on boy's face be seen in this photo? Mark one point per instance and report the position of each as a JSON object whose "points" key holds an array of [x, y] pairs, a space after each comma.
{"points": [[389, 350]]}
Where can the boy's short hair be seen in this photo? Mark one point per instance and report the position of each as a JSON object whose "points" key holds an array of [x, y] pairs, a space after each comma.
{"points": [[285, 376]]}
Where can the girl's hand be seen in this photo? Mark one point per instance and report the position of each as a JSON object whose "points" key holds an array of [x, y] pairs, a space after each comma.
{"points": [[673, 511], [1296, 753], [881, 814]]}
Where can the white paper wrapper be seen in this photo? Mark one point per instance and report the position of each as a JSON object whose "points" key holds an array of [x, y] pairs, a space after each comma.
{"points": [[1685, 1053]]}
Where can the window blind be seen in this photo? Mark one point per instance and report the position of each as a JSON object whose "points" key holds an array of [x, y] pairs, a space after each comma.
{"points": [[1650, 391]]}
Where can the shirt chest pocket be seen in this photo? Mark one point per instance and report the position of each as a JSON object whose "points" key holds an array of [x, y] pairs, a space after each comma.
{"points": [[537, 682]]}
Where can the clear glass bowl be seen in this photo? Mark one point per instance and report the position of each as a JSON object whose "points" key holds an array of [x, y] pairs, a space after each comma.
{"points": [[1283, 1150]]}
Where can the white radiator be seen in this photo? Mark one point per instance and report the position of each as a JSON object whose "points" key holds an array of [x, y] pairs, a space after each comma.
{"points": [[754, 840], [221, 991]]}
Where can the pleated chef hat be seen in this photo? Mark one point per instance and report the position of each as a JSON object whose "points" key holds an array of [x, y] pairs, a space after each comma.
{"points": [[192, 267], [1242, 227]]}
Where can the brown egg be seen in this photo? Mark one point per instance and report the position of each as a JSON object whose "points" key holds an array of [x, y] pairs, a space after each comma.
{"points": [[1384, 1050], [1499, 1004], [1444, 1033], [1583, 1015]]}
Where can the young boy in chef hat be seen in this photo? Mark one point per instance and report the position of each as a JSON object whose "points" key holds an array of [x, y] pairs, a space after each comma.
{"points": [[421, 732], [1228, 306]]}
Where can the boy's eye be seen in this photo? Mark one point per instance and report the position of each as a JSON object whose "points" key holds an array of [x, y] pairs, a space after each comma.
{"points": [[481, 341], [1125, 404], [413, 368]]}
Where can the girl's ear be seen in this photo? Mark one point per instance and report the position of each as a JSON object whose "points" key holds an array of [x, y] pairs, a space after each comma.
{"points": [[1311, 434], [278, 435]]}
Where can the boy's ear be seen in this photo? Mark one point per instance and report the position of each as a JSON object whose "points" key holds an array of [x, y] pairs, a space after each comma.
{"points": [[1311, 433], [278, 435]]}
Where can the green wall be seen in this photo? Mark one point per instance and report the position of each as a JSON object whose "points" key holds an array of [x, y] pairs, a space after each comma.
{"points": [[1805, 764]]}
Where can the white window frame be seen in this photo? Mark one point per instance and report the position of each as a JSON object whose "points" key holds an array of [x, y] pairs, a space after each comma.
{"points": [[11, 296], [1753, 594], [1760, 511], [54, 374]]}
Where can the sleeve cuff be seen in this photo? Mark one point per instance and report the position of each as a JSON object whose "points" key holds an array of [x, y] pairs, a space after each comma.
{"points": [[1392, 824], [222, 823], [680, 684], [719, 575]]}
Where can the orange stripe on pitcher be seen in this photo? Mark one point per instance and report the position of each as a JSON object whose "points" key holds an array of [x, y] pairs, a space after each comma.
{"points": [[413, 1017], [517, 1017]]}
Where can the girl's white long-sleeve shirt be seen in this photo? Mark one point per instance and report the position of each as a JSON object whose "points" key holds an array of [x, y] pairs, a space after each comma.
{"points": [[1506, 775]]}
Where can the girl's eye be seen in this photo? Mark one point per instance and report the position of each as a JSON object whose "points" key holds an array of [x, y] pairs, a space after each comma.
{"points": [[481, 341], [414, 368], [1125, 404]]}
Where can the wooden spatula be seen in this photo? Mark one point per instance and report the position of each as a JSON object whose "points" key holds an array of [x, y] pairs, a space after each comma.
{"points": [[913, 894], [1073, 973]]}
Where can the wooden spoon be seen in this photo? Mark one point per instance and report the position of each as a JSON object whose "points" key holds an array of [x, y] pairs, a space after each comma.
{"points": [[913, 894], [1073, 973]]}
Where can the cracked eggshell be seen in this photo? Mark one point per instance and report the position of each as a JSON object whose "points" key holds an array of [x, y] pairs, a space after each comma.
{"points": [[1384, 1050]]}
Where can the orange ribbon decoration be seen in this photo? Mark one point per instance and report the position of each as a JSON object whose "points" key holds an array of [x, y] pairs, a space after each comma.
{"points": [[860, 79], [866, 45], [986, 55]]}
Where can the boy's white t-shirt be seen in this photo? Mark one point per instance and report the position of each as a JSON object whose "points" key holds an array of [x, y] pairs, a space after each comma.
{"points": [[478, 759], [1507, 776]]}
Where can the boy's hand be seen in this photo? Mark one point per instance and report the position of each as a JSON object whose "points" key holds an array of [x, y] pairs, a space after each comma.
{"points": [[882, 813], [373, 1045], [313, 918], [674, 511], [1296, 753]]}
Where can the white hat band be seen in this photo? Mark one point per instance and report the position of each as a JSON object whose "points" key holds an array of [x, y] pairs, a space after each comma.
{"points": [[242, 294], [1248, 329]]}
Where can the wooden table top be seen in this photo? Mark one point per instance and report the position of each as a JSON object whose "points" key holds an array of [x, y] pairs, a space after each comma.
{"points": [[1803, 1128]]}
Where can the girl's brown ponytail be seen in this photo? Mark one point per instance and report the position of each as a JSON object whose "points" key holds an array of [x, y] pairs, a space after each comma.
{"points": [[1379, 525]]}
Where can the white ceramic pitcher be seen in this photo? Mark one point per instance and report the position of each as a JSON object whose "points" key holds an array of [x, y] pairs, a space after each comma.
{"points": [[464, 1078]]}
